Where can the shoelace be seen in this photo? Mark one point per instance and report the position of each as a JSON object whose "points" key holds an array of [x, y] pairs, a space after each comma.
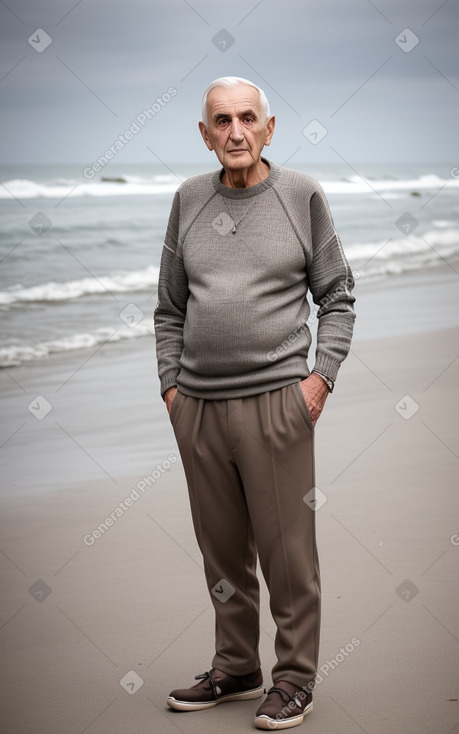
{"points": [[208, 676], [284, 695]]}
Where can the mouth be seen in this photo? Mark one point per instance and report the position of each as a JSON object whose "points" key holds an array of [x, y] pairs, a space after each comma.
{"points": [[237, 151]]}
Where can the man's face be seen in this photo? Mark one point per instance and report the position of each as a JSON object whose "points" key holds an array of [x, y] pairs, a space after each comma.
{"points": [[237, 128]]}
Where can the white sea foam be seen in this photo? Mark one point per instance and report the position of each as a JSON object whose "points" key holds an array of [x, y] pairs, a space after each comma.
{"points": [[370, 258], [395, 256], [136, 280], [27, 189], [47, 312], [443, 223], [443, 243], [360, 185], [168, 183], [15, 355]]}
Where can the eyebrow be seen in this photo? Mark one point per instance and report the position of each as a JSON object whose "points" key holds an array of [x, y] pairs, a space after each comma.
{"points": [[223, 115]]}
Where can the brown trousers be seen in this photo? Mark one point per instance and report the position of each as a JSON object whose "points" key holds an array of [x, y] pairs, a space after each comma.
{"points": [[249, 462]]}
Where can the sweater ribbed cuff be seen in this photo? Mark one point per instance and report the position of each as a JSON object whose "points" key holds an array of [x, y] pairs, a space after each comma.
{"points": [[327, 366], [168, 380]]}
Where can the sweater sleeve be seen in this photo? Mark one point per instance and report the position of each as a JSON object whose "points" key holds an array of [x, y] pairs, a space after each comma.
{"points": [[170, 311], [331, 282]]}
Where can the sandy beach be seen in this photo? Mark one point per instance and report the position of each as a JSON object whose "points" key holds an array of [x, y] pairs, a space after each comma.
{"points": [[98, 625]]}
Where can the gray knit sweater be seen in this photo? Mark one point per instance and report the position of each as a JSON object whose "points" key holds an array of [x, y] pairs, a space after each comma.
{"points": [[232, 312]]}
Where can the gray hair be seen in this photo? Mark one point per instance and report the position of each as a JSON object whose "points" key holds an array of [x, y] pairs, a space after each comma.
{"points": [[232, 81]]}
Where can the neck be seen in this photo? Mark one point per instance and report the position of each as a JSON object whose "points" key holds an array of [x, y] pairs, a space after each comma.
{"points": [[247, 177]]}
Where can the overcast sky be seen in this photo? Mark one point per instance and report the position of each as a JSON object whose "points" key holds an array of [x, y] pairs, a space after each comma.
{"points": [[337, 62]]}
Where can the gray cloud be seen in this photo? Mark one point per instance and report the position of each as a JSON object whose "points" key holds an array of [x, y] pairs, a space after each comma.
{"points": [[324, 59]]}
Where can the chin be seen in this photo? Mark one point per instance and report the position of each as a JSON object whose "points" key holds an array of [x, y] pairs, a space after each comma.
{"points": [[239, 161]]}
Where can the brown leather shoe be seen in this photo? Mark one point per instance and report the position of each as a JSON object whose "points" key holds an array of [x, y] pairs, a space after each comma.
{"points": [[216, 687], [285, 706]]}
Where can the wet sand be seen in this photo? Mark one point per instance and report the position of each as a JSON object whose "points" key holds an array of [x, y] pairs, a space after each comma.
{"points": [[85, 608]]}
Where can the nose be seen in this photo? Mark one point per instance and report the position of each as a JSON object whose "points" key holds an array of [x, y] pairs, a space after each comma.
{"points": [[236, 133]]}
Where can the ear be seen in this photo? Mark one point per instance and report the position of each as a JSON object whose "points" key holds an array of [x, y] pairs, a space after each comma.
{"points": [[270, 125], [205, 135]]}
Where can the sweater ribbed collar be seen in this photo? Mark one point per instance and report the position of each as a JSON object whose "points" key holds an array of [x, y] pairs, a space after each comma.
{"points": [[230, 193]]}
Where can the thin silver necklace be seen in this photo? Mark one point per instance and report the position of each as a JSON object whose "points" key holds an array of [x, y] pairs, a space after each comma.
{"points": [[236, 224]]}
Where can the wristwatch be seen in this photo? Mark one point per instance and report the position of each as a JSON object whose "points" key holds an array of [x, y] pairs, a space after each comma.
{"points": [[328, 381]]}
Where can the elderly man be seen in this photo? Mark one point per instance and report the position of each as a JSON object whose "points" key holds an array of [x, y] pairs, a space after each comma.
{"points": [[243, 247]]}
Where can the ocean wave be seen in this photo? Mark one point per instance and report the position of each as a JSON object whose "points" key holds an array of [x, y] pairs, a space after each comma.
{"points": [[14, 355], [405, 246], [132, 186], [370, 258], [368, 261], [402, 254], [129, 185], [136, 280], [360, 185]]}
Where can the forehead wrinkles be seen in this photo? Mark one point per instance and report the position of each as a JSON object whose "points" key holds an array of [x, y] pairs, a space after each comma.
{"points": [[241, 104]]}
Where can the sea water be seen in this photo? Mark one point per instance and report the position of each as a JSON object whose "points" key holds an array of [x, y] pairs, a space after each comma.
{"points": [[80, 257]]}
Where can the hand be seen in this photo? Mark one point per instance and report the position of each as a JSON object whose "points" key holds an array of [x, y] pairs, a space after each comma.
{"points": [[315, 393], [169, 398]]}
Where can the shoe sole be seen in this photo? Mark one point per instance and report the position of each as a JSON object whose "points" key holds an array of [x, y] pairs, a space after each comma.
{"points": [[265, 722], [173, 703]]}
